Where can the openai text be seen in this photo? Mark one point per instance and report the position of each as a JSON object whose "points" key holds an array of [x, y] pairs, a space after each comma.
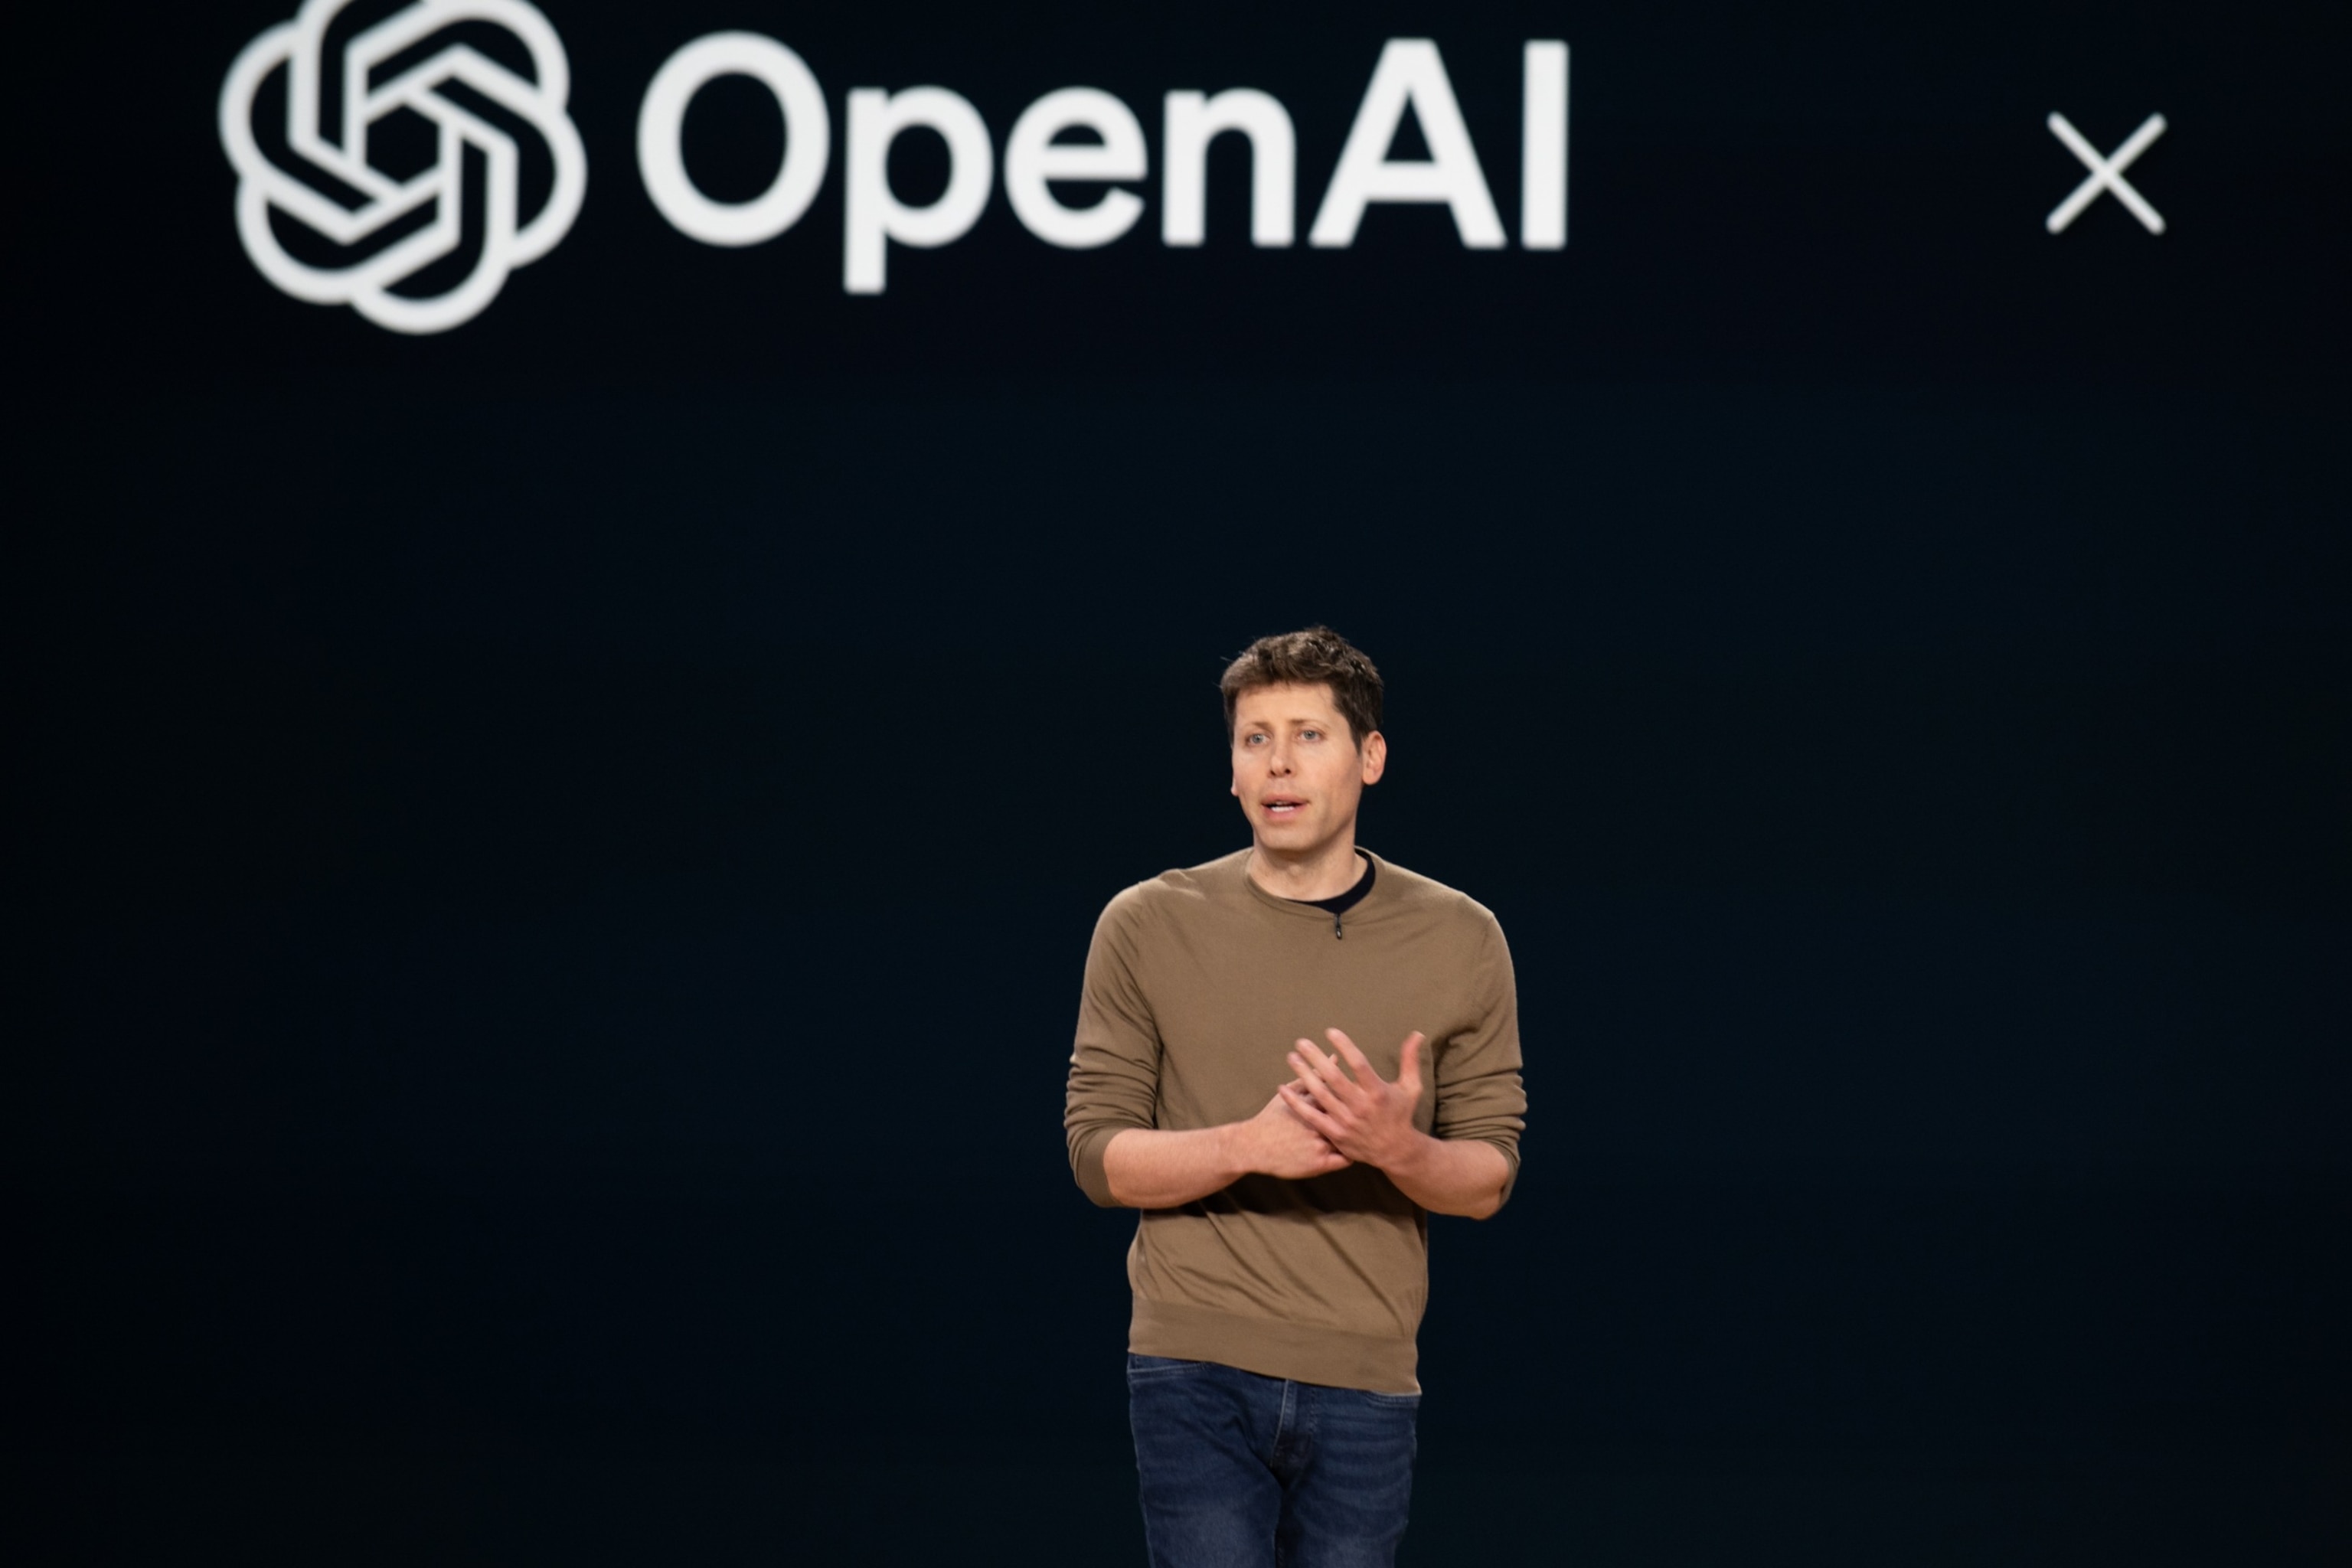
{"points": [[1411, 76]]}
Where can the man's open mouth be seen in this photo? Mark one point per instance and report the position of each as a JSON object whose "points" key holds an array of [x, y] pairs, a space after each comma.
{"points": [[1283, 806]]}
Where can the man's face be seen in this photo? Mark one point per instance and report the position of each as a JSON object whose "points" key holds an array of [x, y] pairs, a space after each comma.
{"points": [[1296, 772]]}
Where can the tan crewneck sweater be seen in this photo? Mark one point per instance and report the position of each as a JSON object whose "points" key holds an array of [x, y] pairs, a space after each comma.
{"points": [[1197, 985]]}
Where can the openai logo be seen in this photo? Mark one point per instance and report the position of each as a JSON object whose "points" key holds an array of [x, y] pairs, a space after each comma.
{"points": [[387, 167]]}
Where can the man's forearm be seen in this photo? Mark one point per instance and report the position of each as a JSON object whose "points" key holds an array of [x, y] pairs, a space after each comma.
{"points": [[1155, 1168], [1149, 1168], [1452, 1177]]}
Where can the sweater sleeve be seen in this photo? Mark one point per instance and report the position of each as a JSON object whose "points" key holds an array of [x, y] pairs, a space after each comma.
{"points": [[1114, 1082], [1479, 1094]]}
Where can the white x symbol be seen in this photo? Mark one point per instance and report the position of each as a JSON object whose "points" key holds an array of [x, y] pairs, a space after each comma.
{"points": [[2106, 174]]}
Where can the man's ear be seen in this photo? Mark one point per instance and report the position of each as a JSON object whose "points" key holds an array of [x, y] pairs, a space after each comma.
{"points": [[1376, 756]]}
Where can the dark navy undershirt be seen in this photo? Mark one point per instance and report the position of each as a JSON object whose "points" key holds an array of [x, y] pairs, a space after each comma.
{"points": [[1338, 904]]}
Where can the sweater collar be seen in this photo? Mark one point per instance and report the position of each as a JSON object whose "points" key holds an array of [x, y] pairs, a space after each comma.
{"points": [[1383, 885]]}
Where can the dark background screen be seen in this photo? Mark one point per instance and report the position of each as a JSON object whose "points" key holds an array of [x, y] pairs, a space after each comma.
{"points": [[552, 859]]}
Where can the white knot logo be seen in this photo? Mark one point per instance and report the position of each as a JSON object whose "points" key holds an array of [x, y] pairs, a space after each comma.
{"points": [[414, 249]]}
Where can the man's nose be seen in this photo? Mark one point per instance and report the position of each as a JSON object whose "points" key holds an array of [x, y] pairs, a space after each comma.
{"points": [[1278, 759]]}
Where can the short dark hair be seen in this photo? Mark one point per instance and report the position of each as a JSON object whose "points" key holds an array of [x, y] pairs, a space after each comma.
{"points": [[1316, 657]]}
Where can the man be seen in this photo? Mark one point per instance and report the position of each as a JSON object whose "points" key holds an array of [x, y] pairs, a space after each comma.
{"points": [[1288, 1058]]}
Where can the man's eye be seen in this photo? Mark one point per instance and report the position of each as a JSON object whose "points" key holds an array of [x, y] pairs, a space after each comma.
{"points": [[1310, 734]]}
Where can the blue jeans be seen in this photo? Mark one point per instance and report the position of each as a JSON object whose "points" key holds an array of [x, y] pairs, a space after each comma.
{"points": [[1244, 1471]]}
